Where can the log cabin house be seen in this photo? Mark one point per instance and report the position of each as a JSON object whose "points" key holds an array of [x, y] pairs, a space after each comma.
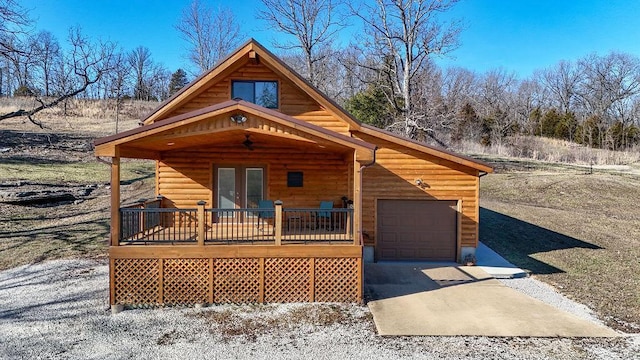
{"points": [[268, 191]]}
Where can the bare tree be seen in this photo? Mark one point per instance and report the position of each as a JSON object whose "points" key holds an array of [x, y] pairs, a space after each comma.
{"points": [[528, 99], [116, 82], [609, 88], [141, 64], [562, 81], [356, 78], [159, 82], [312, 23], [13, 20], [47, 50], [85, 65], [404, 34], [210, 34], [14, 49], [496, 93], [23, 62]]}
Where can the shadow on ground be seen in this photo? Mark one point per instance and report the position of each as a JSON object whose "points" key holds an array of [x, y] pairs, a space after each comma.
{"points": [[391, 279], [518, 240]]}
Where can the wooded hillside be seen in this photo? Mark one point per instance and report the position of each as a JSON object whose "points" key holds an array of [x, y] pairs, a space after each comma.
{"points": [[394, 84]]}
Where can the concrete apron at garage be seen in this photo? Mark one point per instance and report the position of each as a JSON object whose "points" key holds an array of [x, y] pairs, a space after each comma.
{"points": [[448, 300]]}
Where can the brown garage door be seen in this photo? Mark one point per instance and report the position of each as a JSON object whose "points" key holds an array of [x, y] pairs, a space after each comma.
{"points": [[416, 230]]}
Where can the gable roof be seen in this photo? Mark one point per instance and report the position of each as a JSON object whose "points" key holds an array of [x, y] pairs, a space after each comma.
{"points": [[253, 49]]}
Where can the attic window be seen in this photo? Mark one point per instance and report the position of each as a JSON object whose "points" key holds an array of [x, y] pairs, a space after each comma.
{"points": [[263, 93]]}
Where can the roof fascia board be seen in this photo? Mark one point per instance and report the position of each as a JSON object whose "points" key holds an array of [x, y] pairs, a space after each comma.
{"points": [[168, 124]]}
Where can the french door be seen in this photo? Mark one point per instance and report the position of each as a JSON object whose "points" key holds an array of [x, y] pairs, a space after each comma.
{"points": [[239, 187]]}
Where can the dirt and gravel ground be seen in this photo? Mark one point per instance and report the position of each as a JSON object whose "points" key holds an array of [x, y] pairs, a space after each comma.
{"points": [[58, 310]]}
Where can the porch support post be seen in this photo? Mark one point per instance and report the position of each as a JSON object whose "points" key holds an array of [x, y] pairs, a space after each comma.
{"points": [[278, 222], [357, 202], [115, 199], [200, 235]]}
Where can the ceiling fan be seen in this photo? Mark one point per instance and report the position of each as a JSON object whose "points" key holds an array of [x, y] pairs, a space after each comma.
{"points": [[248, 143]]}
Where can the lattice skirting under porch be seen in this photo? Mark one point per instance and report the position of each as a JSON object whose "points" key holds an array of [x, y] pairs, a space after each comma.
{"points": [[167, 281]]}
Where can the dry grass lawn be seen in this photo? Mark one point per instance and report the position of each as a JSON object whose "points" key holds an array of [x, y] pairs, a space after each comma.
{"points": [[579, 232], [62, 154]]}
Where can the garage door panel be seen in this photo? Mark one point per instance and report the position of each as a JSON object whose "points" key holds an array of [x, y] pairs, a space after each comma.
{"points": [[388, 220], [389, 253], [416, 230], [390, 238]]}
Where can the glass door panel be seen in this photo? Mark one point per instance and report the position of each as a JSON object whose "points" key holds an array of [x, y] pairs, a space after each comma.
{"points": [[227, 188], [254, 187]]}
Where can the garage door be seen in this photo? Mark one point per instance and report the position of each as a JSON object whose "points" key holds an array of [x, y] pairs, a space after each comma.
{"points": [[416, 230]]}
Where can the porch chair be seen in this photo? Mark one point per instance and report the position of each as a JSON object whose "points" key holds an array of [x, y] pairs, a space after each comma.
{"points": [[324, 217], [266, 211]]}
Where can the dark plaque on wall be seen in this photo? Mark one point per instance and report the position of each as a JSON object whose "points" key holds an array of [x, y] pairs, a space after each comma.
{"points": [[294, 179]]}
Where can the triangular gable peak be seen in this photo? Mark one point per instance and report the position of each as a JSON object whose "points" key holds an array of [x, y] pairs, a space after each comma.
{"points": [[297, 97]]}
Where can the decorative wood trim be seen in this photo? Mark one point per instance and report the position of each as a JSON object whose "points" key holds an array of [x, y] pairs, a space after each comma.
{"points": [[261, 271], [312, 279], [360, 280], [115, 200], [459, 230], [314, 132], [112, 279], [233, 251], [211, 277], [160, 281]]}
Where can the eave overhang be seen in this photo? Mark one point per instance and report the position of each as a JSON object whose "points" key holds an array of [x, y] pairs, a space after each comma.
{"points": [[143, 142]]}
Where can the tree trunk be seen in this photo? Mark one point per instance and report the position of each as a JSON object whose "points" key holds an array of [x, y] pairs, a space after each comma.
{"points": [[406, 97]]}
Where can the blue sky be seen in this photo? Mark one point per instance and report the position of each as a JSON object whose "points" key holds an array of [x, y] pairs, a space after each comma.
{"points": [[516, 35]]}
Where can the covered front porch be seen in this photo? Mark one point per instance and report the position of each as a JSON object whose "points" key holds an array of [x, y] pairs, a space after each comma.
{"points": [[210, 238], [150, 223]]}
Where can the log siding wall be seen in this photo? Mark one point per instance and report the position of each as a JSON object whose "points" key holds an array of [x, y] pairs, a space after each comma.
{"points": [[292, 100], [185, 178], [393, 177]]}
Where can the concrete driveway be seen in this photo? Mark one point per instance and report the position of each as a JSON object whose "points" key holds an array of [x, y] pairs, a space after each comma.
{"points": [[448, 299]]}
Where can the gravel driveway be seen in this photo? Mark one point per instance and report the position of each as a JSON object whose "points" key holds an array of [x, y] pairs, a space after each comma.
{"points": [[59, 310]]}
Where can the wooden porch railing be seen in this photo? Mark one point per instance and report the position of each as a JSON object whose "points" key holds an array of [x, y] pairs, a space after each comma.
{"points": [[137, 221], [144, 224]]}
